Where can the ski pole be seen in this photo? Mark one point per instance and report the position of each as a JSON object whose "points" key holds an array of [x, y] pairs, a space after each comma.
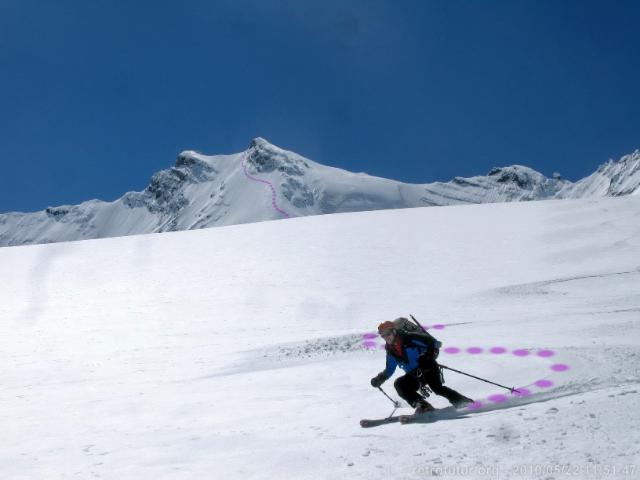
{"points": [[395, 402], [418, 323], [512, 389]]}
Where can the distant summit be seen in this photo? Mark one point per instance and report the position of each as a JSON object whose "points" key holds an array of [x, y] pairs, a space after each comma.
{"points": [[266, 182], [613, 179], [504, 184]]}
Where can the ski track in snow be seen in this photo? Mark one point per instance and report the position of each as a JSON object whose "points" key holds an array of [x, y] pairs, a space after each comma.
{"points": [[288, 355], [538, 288], [369, 342], [542, 389], [265, 182], [553, 385]]}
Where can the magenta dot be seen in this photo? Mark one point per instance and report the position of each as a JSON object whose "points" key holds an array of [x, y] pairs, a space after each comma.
{"points": [[369, 344], [499, 398], [452, 349], [498, 350], [438, 326], [546, 353], [521, 352], [522, 392], [475, 405], [559, 367], [369, 335], [544, 383], [474, 350]]}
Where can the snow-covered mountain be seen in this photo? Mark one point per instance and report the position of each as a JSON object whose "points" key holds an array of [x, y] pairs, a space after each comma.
{"points": [[613, 179], [266, 182]]}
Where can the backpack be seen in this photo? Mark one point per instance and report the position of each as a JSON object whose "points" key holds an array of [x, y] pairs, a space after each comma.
{"points": [[406, 327]]}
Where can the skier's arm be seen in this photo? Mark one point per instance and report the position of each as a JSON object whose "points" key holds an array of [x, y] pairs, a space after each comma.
{"points": [[384, 375], [392, 363]]}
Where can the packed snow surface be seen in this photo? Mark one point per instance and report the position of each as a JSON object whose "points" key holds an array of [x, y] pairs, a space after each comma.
{"points": [[238, 352]]}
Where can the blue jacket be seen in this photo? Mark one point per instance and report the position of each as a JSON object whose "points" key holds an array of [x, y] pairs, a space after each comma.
{"points": [[412, 347]]}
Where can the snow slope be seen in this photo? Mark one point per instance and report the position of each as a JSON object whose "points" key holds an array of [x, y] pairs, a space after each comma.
{"points": [[266, 182], [237, 352]]}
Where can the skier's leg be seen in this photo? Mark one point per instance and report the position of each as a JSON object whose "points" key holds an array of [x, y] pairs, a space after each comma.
{"points": [[434, 380], [407, 387]]}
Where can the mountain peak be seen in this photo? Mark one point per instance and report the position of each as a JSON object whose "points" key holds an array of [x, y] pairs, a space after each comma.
{"points": [[258, 142], [265, 157], [522, 176], [623, 175]]}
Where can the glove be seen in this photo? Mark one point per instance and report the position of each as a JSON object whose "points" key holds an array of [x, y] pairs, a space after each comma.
{"points": [[378, 380]]}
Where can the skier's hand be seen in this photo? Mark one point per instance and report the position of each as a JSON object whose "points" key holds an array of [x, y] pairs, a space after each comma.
{"points": [[378, 380]]}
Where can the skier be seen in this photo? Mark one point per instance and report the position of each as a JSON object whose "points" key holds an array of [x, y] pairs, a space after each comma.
{"points": [[415, 354]]}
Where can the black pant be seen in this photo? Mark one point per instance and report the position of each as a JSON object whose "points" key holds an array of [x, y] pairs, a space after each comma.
{"points": [[408, 385]]}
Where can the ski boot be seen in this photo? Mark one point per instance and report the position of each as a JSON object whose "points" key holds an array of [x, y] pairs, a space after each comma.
{"points": [[462, 402], [422, 406]]}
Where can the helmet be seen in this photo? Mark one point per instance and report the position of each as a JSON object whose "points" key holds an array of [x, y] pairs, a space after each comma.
{"points": [[388, 325]]}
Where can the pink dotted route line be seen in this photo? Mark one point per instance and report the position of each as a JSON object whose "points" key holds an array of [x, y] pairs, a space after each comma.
{"points": [[369, 342], [273, 190]]}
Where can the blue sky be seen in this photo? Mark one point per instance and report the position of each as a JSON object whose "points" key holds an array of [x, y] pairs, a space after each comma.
{"points": [[97, 96]]}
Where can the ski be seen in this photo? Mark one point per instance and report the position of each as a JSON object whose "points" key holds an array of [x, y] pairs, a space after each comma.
{"points": [[427, 417], [368, 423], [432, 416]]}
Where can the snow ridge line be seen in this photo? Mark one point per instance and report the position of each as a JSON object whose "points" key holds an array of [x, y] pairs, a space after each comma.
{"points": [[266, 182]]}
